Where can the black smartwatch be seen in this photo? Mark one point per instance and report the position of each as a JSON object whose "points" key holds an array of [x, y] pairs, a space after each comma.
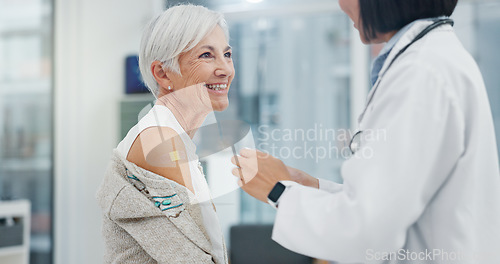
{"points": [[275, 194]]}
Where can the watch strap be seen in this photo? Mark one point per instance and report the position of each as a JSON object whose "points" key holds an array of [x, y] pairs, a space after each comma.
{"points": [[275, 194]]}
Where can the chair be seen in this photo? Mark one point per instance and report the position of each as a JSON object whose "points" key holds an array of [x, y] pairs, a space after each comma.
{"points": [[252, 244]]}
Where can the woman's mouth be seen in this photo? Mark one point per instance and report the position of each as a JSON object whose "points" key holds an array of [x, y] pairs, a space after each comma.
{"points": [[216, 87]]}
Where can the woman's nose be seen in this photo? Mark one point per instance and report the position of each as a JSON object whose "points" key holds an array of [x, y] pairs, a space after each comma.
{"points": [[224, 69]]}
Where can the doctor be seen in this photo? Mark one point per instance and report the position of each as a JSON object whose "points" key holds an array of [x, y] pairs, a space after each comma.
{"points": [[430, 193]]}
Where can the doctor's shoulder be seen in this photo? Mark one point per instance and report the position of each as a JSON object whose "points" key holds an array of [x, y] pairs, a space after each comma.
{"points": [[442, 61]]}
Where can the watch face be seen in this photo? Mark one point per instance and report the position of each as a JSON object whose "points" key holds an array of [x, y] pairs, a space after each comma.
{"points": [[276, 192]]}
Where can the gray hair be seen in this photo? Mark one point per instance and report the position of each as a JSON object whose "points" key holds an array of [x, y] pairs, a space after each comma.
{"points": [[173, 32]]}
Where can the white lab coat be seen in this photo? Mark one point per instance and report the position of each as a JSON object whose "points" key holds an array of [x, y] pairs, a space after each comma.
{"points": [[431, 183]]}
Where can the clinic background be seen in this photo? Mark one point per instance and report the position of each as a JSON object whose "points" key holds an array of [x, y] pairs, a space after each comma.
{"points": [[63, 107]]}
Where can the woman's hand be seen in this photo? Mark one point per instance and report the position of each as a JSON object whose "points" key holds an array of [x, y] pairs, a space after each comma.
{"points": [[259, 172], [303, 178]]}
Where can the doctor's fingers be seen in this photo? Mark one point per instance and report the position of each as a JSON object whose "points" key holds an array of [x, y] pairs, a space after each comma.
{"points": [[248, 152], [244, 175], [248, 162]]}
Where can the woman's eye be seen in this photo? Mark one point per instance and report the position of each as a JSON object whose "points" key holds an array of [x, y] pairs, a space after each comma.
{"points": [[228, 54], [205, 55]]}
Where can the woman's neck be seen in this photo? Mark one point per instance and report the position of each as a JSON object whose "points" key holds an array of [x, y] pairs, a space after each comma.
{"points": [[190, 117]]}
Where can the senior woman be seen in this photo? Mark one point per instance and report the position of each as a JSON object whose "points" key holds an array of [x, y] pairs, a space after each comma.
{"points": [[156, 203], [428, 189]]}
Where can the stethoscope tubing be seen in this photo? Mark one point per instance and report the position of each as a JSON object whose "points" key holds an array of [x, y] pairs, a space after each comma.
{"points": [[424, 32]]}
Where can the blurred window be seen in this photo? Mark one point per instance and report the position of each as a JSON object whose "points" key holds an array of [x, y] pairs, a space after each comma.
{"points": [[292, 85], [26, 115]]}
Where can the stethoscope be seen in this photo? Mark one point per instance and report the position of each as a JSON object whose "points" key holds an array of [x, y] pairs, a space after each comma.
{"points": [[355, 143]]}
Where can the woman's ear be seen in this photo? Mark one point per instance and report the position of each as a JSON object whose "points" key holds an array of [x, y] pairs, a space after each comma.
{"points": [[160, 75]]}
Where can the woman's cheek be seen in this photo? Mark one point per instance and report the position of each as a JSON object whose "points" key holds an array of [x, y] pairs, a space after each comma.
{"points": [[233, 73], [195, 75]]}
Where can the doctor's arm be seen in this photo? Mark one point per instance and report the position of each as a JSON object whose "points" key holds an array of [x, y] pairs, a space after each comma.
{"points": [[305, 179], [383, 193]]}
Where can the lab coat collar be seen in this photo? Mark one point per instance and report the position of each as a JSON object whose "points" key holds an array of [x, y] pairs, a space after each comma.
{"points": [[404, 40]]}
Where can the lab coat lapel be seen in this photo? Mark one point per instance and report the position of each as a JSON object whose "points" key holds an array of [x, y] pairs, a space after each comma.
{"points": [[405, 40]]}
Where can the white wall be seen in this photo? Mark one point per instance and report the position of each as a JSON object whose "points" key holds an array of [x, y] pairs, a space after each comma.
{"points": [[92, 40]]}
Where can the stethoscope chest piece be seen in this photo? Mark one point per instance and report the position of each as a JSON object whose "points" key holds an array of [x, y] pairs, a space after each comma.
{"points": [[355, 143]]}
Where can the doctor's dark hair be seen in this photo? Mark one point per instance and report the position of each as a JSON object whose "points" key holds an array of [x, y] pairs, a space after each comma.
{"points": [[382, 16]]}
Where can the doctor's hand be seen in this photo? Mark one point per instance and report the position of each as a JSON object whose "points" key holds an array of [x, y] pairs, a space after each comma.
{"points": [[303, 178], [259, 172]]}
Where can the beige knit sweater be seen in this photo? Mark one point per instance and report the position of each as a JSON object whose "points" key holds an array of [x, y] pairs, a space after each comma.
{"points": [[165, 226]]}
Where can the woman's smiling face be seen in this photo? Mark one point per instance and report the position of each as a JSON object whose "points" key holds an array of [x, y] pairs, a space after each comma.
{"points": [[210, 62]]}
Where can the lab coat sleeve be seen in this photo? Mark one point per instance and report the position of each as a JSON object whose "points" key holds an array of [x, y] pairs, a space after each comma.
{"points": [[413, 144], [329, 186]]}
